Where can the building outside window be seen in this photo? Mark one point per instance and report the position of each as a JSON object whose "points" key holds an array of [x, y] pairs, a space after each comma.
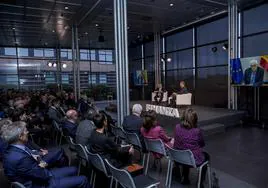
{"points": [[10, 51], [103, 78], [92, 79]]}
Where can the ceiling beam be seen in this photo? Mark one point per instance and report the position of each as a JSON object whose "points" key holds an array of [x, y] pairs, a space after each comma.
{"points": [[88, 12]]}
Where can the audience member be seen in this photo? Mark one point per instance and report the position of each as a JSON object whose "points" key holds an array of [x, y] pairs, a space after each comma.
{"points": [[54, 112], [25, 166], [106, 147], [152, 129], [188, 136], [85, 129], [133, 123], [70, 125]]}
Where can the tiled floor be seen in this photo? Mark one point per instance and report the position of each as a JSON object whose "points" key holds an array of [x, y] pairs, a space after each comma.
{"points": [[239, 158]]}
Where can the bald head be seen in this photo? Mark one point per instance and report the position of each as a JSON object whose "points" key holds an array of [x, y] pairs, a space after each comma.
{"points": [[72, 115]]}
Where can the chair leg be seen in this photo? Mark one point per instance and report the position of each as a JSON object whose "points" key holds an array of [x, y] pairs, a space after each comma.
{"points": [[168, 172], [79, 168], [116, 183], [199, 177], [94, 180], [143, 159], [91, 177], [111, 182], [209, 176], [147, 163]]}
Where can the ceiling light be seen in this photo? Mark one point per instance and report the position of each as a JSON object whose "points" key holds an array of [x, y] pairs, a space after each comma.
{"points": [[138, 36], [66, 27], [66, 8], [171, 4], [13, 28], [54, 64], [86, 33], [64, 65], [128, 27], [53, 31], [49, 64], [169, 59], [97, 25]]}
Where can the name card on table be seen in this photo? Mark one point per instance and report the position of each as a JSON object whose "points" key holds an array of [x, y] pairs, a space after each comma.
{"points": [[163, 110]]}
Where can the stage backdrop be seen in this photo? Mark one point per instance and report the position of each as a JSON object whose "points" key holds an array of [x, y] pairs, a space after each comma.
{"points": [[140, 77], [239, 65]]}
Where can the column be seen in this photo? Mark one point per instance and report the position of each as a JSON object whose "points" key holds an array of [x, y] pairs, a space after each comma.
{"points": [[121, 56], [232, 50], [77, 63], [74, 62], [157, 59], [58, 75]]}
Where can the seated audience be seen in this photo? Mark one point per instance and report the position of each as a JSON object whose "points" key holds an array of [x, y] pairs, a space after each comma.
{"points": [[152, 129], [188, 136], [3, 144], [55, 113], [85, 129], [25, 166], [70, 125], [133, 123], [182, 90], [106, 147]]}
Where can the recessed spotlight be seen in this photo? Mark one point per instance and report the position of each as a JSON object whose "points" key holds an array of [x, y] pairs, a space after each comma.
{"points": [[138, 36], [64, 65], [66, 27], [171, 4], [53, 31], [54, 64], [13, 28], [169, 59], [97, 25], [49, 64], [86, 33], [66, 8]]}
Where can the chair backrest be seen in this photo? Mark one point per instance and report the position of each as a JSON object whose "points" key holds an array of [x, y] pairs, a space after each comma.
{"points": [[165, 96], [181, 156], [97, 162], [121, 175], [113, 130], [17, 185], [70, 142], [81, 152], [184, 99], [120, 133], [155, 145], [132, 138]]}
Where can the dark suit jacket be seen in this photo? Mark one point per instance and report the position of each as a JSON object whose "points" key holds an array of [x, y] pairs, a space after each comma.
{"points": [[69, 128], [21, 167], [83, 132], [55, 114], [258, 77], [108, 149]]}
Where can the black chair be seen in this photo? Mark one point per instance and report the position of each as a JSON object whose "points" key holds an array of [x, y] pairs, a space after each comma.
{"points": [[133, 139], [58, 131], [71, 146], [125, 179], [186, 157], [98, 163], [82, 156]]}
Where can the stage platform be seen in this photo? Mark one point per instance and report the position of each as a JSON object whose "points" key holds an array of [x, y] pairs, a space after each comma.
{"points": [[211, 120]]}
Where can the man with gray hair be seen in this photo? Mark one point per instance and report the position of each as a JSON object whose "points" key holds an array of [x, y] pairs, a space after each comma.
{"points": [[70, 125], [133, 123], [26, 167], [254, 74]]}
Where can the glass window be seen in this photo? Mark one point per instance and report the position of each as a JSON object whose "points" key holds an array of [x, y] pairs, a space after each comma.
{"points": [[65, 78], [207, 57], [38, 53], [92, 79], [84, 54], [255, 45], [49, 53], [103, 78], [10, 51], [93, 55], [212, 32], [149, 49], [64, 54], [23, 52], [106, 56], [255, 20], [179, 40], [180, 59], [8, 80], [135, 52], [50, 78]]}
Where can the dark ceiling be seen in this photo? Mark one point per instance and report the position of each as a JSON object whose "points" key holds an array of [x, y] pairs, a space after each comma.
{"points": [[39, 23]]}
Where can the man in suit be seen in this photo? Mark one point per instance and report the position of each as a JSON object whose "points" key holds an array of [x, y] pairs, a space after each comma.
{"points": [[70, 125], [54, 112], [85, 129], [254, 74], [106, 147], [23, 165]]}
